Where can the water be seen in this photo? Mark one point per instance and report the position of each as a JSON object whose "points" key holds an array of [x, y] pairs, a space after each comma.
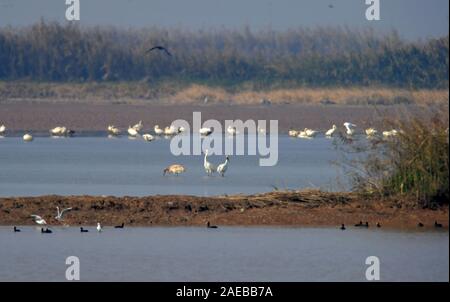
{"points": [[102, 166], [224, 254]]}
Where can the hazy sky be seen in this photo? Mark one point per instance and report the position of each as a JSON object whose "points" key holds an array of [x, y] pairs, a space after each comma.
{"points": [[411, 18]]}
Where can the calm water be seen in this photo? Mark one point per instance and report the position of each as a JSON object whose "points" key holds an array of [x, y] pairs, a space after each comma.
{"points": [[102, 166], [224, 254]]}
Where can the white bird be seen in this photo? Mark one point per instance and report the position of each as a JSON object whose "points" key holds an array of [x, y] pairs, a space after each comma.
{"points": [[138, 127], [293, 133], [158, 131], [310, 132], [39, 220], [2, 129], [170, 130], [232, 130], [222, 168], [331, 131], [371, 132], [181, 129], [350, 128], [99, 227], [148, 137], [209, 167], [60, 214], [132, 132], [113, 130], [302, 134], [58, 131], [391, 133], [205, 131], [28, 137], [262, 130]]}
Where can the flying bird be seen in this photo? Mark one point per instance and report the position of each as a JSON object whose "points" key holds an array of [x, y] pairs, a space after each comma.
{"points": [[159, 48], [60, 214]]}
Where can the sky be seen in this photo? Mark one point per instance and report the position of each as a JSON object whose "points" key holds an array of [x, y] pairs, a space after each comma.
{"points": [[413, 19]]}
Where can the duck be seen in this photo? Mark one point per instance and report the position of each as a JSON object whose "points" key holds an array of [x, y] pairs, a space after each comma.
{"points": [[83, 230], [420, 225], [209, 226], [437, 225], [99, 227], [222, 168], [343, 227], [27, 137], [46, 231], [174, 169], [310, 132], [331, 131], [378, 225], [205, 131], [16, 230], [148, 137], [209, 167], [158, 130], [359, 224], [120, 226], [58, 131]]}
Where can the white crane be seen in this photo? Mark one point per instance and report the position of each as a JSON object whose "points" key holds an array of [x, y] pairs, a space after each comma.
{"points": [[222, 168], [209, 167]]}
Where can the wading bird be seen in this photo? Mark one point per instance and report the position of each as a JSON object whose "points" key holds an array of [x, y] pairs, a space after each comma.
{"points": [[158, 131], [205, 131], [159, 48], [99, 227], [209, 167], [331, 131], [138, 126], [350, 128], [28, 137], [132, 132], [148, 137], [2, 129], [174, 169], [60, 214], [222, 168]]}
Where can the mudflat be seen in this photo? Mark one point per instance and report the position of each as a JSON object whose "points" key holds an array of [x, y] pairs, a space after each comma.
{"points": [[281, 208]]}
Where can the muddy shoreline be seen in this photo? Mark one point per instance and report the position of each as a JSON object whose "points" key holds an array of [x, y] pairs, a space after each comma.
{"points": [[293, 208]]}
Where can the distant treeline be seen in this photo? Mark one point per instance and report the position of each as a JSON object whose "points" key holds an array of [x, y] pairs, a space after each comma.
{"points": [[310, 57]]}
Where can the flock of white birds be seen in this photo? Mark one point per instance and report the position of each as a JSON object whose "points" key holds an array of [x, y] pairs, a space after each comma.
{"points": [[350, 130]]}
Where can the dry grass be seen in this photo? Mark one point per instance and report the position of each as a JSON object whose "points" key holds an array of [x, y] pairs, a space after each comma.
{"points": [[178, 93]]}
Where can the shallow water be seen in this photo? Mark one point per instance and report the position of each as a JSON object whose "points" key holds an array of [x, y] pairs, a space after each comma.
{"points": [[224, 254], [120, 166]]}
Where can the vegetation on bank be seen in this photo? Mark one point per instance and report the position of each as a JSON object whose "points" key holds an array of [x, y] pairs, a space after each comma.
{"points": [[320, 57], [413, 164], [184, 93]]}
